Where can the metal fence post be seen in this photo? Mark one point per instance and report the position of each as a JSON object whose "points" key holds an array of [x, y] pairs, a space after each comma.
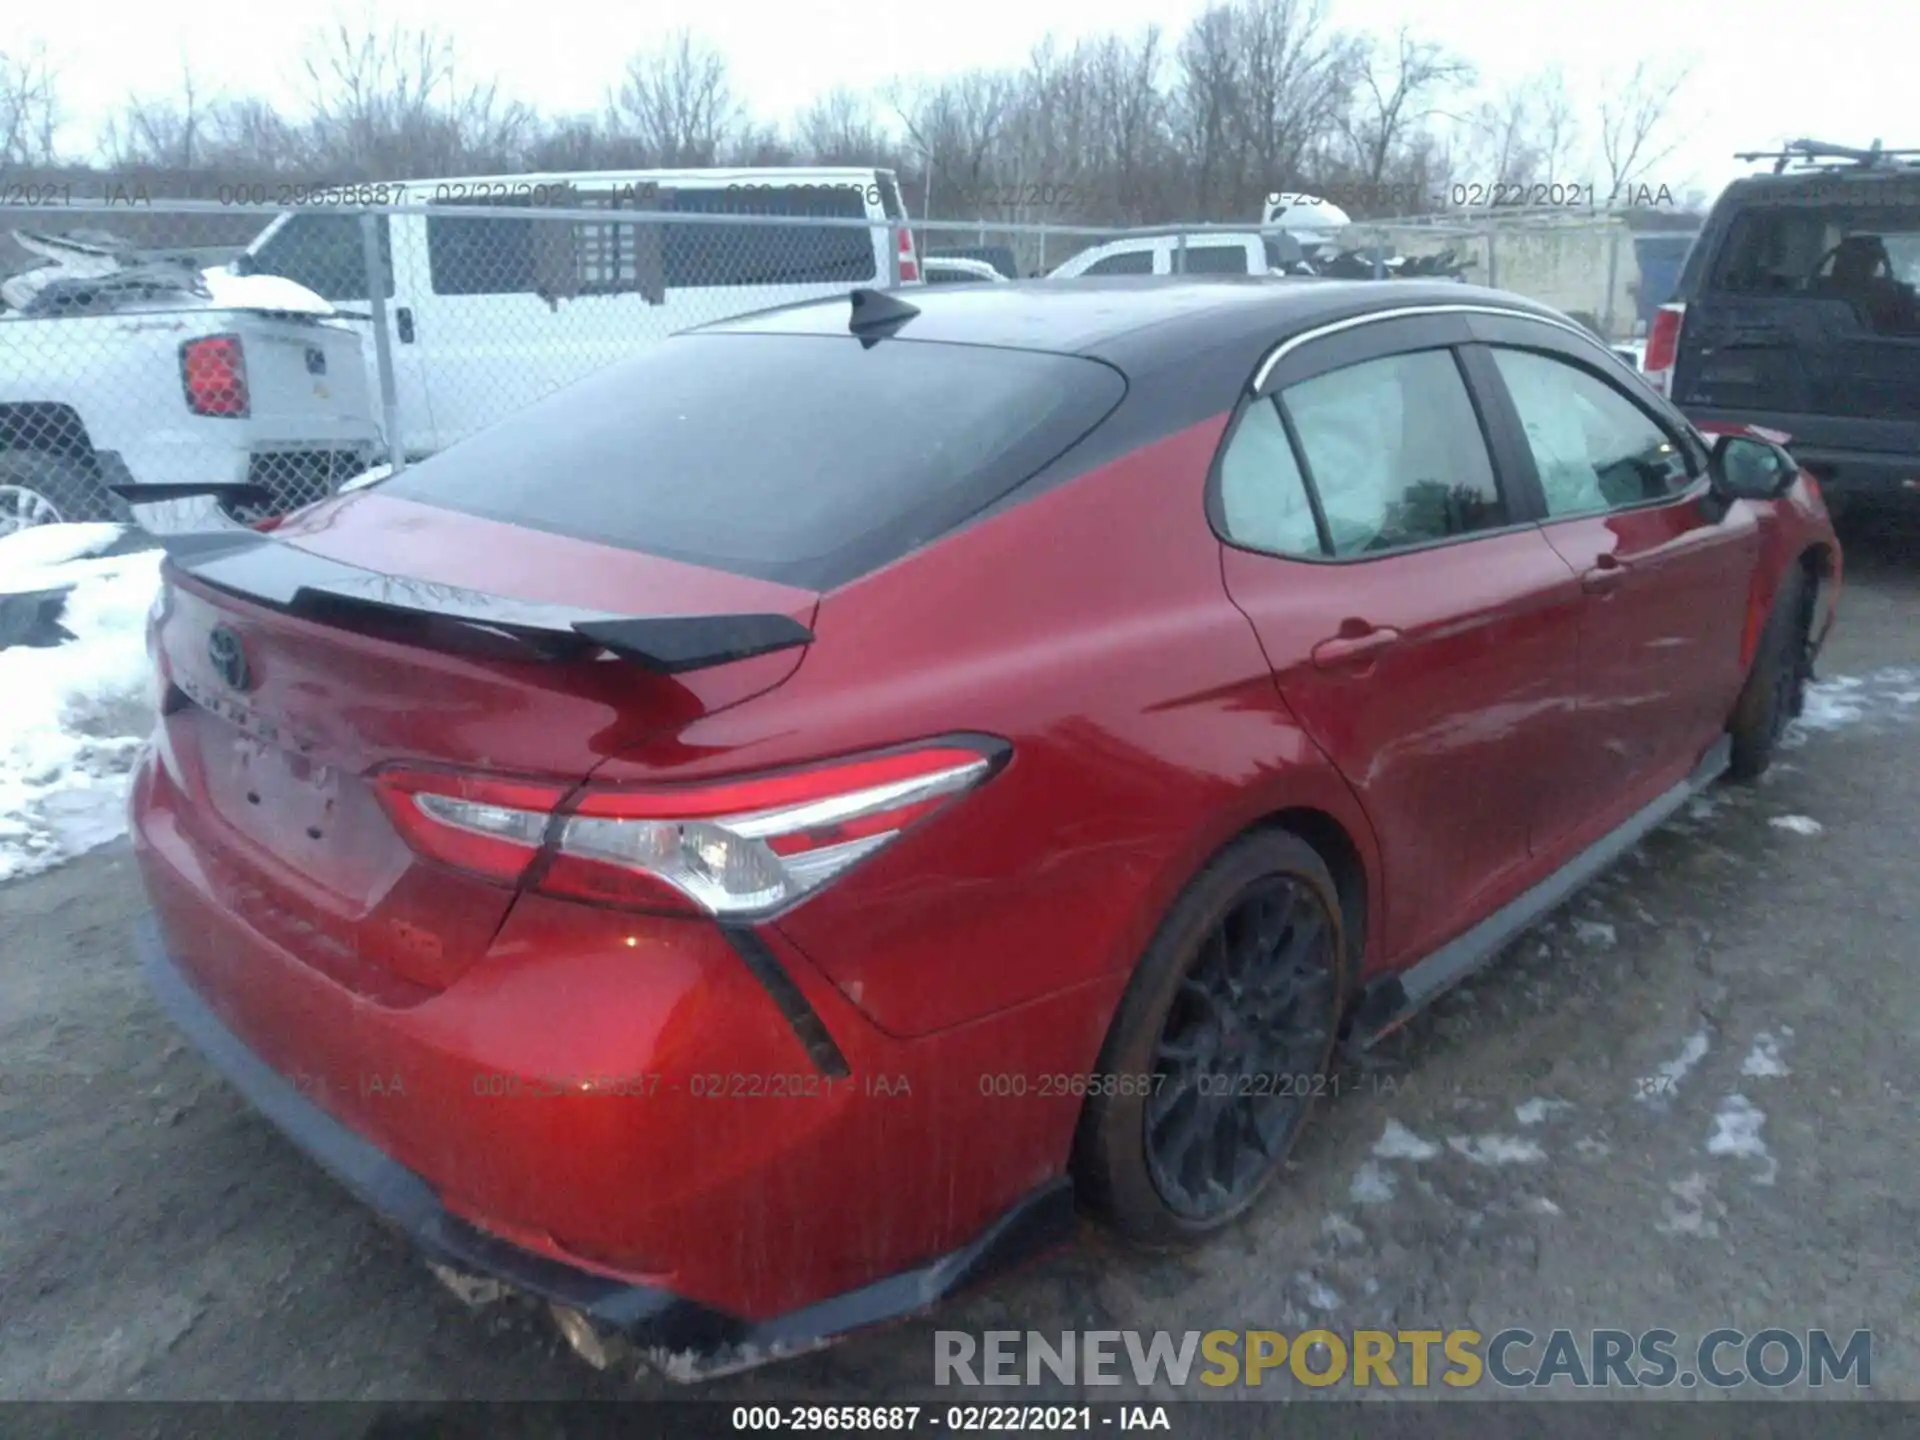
{"points": [[1379, 258], [382, 341], [1180, 253], [893, 257], [1043, 248], [1493, 270], [1613, 277]]}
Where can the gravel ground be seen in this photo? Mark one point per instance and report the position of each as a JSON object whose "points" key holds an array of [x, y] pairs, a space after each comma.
{"points": [[1534, 1151]]}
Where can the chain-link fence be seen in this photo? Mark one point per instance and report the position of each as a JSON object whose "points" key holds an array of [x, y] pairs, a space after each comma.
{"points": [[344, 337]]}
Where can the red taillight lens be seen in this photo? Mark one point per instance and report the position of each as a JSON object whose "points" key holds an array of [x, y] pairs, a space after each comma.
{"points": [[487, 825], [1663, 345], [729, 848], [213, 371], [909, 262]]}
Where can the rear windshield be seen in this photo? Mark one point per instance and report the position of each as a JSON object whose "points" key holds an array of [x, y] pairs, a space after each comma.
{"points": [[797, 458], [1793, 249]]}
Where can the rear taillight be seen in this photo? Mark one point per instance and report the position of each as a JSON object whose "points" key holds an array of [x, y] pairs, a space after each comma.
{"points": [[213, 372], [1663, 346], [731, 848], [909, 261]]}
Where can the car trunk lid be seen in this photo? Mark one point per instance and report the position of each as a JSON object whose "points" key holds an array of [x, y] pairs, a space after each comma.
{"points": [[372, 632]]}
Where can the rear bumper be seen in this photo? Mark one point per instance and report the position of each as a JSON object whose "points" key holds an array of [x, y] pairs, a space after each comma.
{"points": [[700, 1339]]}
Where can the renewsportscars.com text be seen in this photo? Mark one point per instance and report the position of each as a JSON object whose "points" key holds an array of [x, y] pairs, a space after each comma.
{"points": [[1515, 1358]]}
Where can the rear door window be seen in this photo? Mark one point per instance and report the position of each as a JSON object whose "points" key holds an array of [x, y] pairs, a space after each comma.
{"points": [[733, 255], [1217, 260], [482, 254], [1394, 450], [326, 253], [1126, 262], [796, 458]]}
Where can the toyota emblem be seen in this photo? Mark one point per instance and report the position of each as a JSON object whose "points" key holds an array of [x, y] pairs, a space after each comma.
{"points": [[229, 658]]}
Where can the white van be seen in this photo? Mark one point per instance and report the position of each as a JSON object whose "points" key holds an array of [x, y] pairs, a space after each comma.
{"points": [[487, 314], [1207, 253]]}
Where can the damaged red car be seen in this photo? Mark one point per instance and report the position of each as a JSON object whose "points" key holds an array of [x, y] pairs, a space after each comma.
{"points": [[750, 844]]}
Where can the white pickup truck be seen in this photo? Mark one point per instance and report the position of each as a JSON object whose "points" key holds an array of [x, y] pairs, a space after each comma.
{"points": [[141, 375]]}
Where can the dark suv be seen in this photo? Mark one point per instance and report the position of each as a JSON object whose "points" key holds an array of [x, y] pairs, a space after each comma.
{"points": [[1797, 310]]}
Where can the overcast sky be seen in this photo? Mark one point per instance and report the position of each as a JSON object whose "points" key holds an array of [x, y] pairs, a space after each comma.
{"points": [[1773, 75]]}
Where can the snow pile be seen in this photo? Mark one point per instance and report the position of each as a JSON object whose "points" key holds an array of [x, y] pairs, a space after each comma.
{"points": [[75, 713]]}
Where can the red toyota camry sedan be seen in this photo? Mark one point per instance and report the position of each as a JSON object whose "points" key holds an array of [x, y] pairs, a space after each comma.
{"points": [[739, 849]]}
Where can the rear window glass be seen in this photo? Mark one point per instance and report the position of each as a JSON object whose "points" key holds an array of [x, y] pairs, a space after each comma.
{"points": [[802, 459], [1801, 250], [727, 255]]}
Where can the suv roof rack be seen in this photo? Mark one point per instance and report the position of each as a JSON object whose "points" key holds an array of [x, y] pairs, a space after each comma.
{"points": [[1820, 155]]}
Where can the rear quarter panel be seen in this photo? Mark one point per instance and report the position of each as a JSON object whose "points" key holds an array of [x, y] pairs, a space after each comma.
{"points": [[1090, 627]]}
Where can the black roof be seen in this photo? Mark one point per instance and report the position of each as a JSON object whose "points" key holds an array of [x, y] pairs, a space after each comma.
{"points": [[1130, 321]]}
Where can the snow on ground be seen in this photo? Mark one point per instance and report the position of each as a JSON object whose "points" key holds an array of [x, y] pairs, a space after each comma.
{"points": [[1399, 1143], [76, 713], [1736, 1132], [1373, 1184], [1659, 1087], [1763, 1061], [1888, 696], [1532, 1112], [1319, 1294], [1496, 1149], [1593, 932], [1798, 824], [1687, 1205]]}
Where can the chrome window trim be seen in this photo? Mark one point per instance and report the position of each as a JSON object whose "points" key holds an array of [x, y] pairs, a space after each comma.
{"points": [[1409, 312]]}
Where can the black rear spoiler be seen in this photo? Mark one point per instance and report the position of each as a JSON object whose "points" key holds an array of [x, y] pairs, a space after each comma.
{"points": [[238, 492], [264, 569]]}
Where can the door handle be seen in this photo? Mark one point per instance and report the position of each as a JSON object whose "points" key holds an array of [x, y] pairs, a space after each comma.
{"points": [[1606, 572], [403, 322], [1352, 649]]}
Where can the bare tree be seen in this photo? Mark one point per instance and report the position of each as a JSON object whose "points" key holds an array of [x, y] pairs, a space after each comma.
{"points": [[391, 104], [1632, 110], [840, 128], [957, 125], [1524, 134], [248, 135], [678, 102], [162, 133], [1207, 95], [1396, 93], [1297, 78], [29, 108]]}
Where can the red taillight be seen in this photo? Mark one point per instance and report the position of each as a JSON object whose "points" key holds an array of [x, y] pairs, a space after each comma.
{"points": [[909, 262], [484, 824], [728, 848], [1663, 346], [213, 371]]}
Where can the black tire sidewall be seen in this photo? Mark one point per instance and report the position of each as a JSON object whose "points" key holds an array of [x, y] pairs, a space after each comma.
{"points": [[1110, 1161], [1754, 729]]}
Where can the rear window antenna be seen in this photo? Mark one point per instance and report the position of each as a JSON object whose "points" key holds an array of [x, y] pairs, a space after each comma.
{"points": [[876, 315]]}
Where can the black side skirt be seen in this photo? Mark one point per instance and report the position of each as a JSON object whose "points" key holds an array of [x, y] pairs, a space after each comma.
{"points": [[1391, 1001]]}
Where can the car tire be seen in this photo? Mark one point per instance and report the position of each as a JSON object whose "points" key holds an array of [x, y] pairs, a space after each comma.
{"points": [[1776, 686], [1271, 1061], [38, 488]]}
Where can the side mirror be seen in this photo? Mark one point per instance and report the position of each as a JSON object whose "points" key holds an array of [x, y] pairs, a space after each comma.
{"points": [[1742, 467]]}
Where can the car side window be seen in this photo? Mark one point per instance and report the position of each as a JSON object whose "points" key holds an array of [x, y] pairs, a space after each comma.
{"points": [[1263, 496], [1126, 262], [1395, 452], [1595, 449], [326, 253], [1216, 260]]}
